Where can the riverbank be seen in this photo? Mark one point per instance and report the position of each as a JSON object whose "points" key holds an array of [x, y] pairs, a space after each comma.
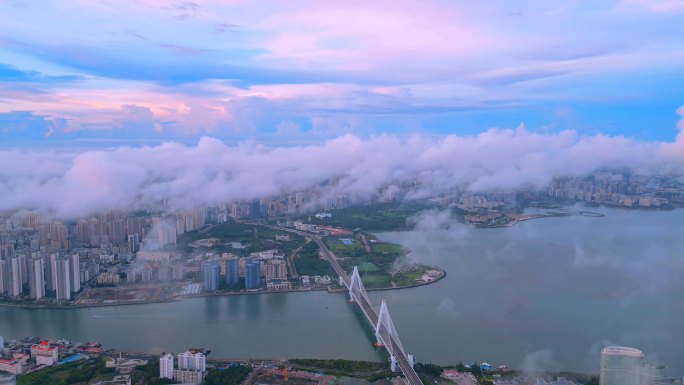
{"points": [[81, 306], [217, 294], [432, 273], [517, 218], [441, 276]]}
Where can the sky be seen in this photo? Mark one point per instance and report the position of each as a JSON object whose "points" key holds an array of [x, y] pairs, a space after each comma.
{"points": [[88, 73], [106, 103]]}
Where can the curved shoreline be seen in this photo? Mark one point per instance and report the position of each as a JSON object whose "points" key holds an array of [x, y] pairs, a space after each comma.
{"points": [[406, 251], [205, 295]]}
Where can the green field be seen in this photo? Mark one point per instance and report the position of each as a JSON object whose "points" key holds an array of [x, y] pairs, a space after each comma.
{"points": [[368, 267], [386, 248], [376, 280], [404, 278], [375, 217]]}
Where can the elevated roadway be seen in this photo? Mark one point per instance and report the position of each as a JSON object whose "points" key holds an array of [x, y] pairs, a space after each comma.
{"points": [[387, 337]]}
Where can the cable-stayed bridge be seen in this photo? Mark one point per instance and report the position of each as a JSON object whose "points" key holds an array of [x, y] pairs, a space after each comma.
{"points": [[381, 322]]}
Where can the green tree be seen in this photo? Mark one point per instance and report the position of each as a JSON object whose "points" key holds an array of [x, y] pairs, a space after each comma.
{"points": [[429, 369]]}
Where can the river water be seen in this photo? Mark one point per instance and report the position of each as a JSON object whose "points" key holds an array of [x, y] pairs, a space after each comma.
{"points": [[544, 294]]}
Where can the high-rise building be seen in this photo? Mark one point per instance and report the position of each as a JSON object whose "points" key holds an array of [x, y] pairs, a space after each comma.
{"points": [[14, 281], [625, 366], [75, 273], [136, 225], [210, 274], [276, 269], [166, 366], [166, 232], [3, 276], [61, 276], [191, 361], [37, 278], [232, 271], [6, 251], [252, 274], [50, 264], [133, 243], [117, 231]]}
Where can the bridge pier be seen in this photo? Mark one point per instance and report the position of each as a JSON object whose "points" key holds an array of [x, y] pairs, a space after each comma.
{"points": [[411, 360], [393, 363]]}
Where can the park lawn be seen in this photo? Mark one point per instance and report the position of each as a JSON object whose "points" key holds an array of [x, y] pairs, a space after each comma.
{"points": [[405, 278], [339, 246], [368, 267], [386, 248], [376, 280]]}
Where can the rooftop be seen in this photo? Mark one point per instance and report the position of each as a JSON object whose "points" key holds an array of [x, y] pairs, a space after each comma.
{"points": [[621, 351]]}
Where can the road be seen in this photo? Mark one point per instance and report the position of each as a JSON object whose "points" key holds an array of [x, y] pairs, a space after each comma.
{"points": [[366, 307]]}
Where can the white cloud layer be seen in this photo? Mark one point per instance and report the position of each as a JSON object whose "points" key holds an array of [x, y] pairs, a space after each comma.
{"points": [[73, 184]]}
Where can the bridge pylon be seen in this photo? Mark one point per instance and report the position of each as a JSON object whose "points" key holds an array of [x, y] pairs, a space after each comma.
{"points": [[386, 326], [354, 283]]}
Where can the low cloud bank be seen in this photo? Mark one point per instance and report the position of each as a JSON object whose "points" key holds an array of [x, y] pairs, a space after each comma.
{"points": [[73, 184]]}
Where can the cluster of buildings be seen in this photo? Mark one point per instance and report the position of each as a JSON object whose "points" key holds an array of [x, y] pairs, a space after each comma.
{"points": [[43, 259], [619, 189], [32, 354], [258, 268], [36, 274], [191, 367], [322, 229]]}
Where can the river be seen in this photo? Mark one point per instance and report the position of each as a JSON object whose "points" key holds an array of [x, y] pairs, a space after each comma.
{"points": [[544, 294]]}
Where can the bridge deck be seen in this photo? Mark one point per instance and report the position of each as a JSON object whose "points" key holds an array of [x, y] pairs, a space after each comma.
{"points": [[371, 315]]}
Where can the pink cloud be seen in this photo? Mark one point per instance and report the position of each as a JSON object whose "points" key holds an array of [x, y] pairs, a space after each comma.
{"points": [[361, 35]]}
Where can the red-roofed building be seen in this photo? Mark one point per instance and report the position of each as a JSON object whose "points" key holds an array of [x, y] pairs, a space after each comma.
{"points": [[21, 357], [44, 354], [11, 366]]}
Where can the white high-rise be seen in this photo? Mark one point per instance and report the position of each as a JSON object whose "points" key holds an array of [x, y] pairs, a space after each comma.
{"points": [[166, 366], [36, 278], [191, 361], [625, 366], [14, 275], [75, 274], [61, 276]]}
